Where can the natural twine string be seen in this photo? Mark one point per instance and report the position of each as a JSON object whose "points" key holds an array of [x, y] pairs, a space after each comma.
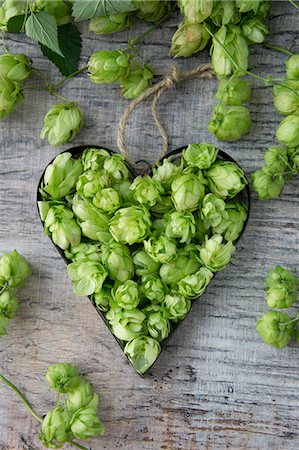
{"points": [[174, 77]]}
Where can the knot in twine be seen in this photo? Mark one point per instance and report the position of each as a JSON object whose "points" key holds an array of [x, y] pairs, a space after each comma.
{"points": [[174, 77]]}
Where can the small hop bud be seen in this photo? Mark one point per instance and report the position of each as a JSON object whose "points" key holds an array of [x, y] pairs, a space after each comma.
{"points": [[230, 123], [180, 225], [93, 158], [161, 248], [14, 270], [85, 424], [142, 352], [10, 96], [187, 190], [137, 81], [276, 159], [82, 396], [276, 328], [8, 304], [126, 295], [146, 191], [157, 324], [232, 223], [55, 428], [245, 6], [225, 13], [83, 252], [117, 261], [201, 156], [15, 67], [107, 200], [103, 298], [108, 66], [63, 377], [153, 288], [130, 225], [188, 39], [194, 285], [234, 92], [254, 30], [213, 210], [126, 324], [292, 67], [166, 172], [88, 276], [225, 179], [176, 306], [282, 288], [110, 24], [90, 182], [61, 123], [267, 185], [288, 131], [286, 97], [172, 273], [214, 254]]}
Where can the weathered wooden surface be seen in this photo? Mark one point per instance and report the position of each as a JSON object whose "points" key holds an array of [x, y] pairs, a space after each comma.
{"points": [[216, 385]]}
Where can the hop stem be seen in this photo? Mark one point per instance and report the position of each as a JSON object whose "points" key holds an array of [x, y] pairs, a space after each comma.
{"points": [[278, 48], [294, 320], [21, 396], [56, 86], [75, 444], [294, 4]]}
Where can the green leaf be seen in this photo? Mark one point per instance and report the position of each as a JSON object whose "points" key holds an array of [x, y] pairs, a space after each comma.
{"points": [[70, 43], [42, 27], [15, 24], [85, 9]]}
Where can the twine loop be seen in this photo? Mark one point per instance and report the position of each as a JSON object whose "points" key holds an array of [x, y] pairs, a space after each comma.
{"points": [[171, 79]]}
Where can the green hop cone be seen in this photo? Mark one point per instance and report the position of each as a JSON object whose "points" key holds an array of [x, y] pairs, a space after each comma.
{"points": [[10, 96], [254, 30], [194, 285], [232, 224], [93, 158], [87, 276], [282, 288], [276, 159], [158, 326], [82, 396], [151, 10], [288, 131], [55, 429], [162, 207], [91, 181], [62, 123], [118, 261], [83, 252], [180, 225], [4, 323], [230, 38], [201, 156], [130, 225], [275, 328], [61, 176], [293, 158], [233, 92], [110, 24], [245, 6], [83, 404], [166, 172], [107, 200], [230, 123], [160, 248], [176, 306], [146, 191], [15, 67], [14, 270], [103, 298], [8, 304], [126, 324], [172, 273], [60, 224], [187, 191], [115, 166], [9, 9], [108, 66], [214, 254], [153, 288], [188, 39], [138, 80], [224, 13], [292, 67], [58, 8], [126, 295], [196, 11], [142, 352], [267, 185], [94, 223], [225, 179], [286, 97], [212, 210], [63, 377], [144, 264]]}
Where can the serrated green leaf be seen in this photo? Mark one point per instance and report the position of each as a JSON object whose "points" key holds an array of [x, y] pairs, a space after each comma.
{"points": [[85, 9], [42, 27], [15, 24], [70, 43]]}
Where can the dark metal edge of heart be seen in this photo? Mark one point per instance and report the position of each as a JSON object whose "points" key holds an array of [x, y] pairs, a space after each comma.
{"points": [[142, 167]]}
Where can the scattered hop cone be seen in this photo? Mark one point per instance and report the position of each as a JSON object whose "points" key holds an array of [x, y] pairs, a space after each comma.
{"points": [[254, 30], [172, 273], [275, 329], [58, 8], [160, 248], [245, 6], [130, 225], [84, 251], [181, 225], [292, 67], [93, 158], [153, 288], [61, 123], [142, 352], [188, 39], [117, 261], [15, 67], [9, 9], [108, 66], [282, 288], [126, 324], [126, 295], [63, 377], [146, 191], [82, 396], [151, 10], [267, 185], [276, 159], [187, 191], [138, 80], [85, 424], [55, 428], [231, 38], [224, 13], [10, 96], [288, 131], [166, 172], [233, 92], [115, 166], [144, 264], [88, 276], [196, 11], [103, 298], [158, 326], [225, 179], [201, 156], [8, 305], [91, 181], [4, 322], [60, 223], [214, 254], [293, 155], [286, 97], [176, 306], [107, 200], [232, 224], [194, 285], [212, 210], [14, 270], [230, 123], [110, 24]]}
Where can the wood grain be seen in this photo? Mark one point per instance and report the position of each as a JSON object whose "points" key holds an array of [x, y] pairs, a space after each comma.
{"points": [[216, 385]]}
